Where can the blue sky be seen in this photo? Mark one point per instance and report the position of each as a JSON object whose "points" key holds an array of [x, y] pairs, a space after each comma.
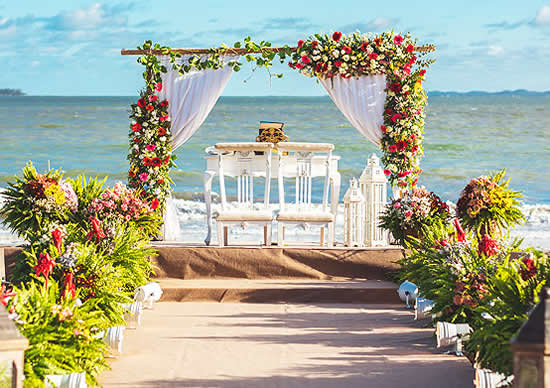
{"points": [[72, 47]]}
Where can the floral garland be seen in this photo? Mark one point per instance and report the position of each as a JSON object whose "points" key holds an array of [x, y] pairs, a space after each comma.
{"points": [[354, 55]]}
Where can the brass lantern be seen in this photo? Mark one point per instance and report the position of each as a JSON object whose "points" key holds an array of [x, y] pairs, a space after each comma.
{"points": [[531, 347], [12, 351]]}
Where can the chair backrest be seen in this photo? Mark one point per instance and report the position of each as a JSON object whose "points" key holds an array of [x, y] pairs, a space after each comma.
{"points": [[244, 161], [303, 154]]}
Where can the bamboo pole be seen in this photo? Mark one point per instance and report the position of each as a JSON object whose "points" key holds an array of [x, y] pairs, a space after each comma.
{"points": [[236, 51]]}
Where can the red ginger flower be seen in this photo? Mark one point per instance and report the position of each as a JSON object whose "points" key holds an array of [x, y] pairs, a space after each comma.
{"points": [[487, 246], [460, 235], [45, 266], [57, 239], [96, 230], [528, 270], [70, 288], [4, 296]]}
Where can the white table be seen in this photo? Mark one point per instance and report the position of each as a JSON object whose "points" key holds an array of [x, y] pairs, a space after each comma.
{"points": [[230, 168]]}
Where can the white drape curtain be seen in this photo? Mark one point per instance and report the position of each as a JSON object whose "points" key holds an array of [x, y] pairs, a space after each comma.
{"points": [[361, 100], [191, 97]]}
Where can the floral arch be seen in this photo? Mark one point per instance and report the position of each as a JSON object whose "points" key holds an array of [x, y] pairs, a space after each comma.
{"points": [[390, 62]]}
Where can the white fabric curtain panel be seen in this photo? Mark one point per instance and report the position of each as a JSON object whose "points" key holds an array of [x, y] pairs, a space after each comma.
{"points": [[361, 100], [191, 96]]}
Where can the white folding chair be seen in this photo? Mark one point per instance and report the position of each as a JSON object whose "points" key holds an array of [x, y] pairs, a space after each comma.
{"points": [[239, 160], [304, 212]]}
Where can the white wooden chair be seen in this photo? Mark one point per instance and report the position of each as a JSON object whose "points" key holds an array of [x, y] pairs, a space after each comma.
{"points": [[304, 212], [239, 160]]}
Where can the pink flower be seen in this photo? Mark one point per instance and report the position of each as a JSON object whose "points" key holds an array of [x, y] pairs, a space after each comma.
{"points": [[152, 98], [398, 39], [306, 59], [387, 172], [150, 147], [393, 148], [408, 213], [396, 117], [346, 49], [373, 56], [158, 87], [397, 205], [163, 118], [143, 176]]}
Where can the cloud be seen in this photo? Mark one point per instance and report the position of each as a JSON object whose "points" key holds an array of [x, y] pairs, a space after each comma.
{"points": [[495, 50], [508, 25], [377, 24], [290, 23], [543, 16], [94, 17]]}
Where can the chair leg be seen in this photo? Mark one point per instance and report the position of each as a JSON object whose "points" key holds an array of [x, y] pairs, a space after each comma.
{"points": [[219, 226], [330, 235], [225, 232], [280, 234], [265, 235], [269, 227], [322, 235]]}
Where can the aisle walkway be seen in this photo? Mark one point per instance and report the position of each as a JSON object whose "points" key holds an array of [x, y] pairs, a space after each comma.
{"points": [[278, 345]]}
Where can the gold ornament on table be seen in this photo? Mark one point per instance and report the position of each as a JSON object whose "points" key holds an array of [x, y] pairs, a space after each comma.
{"points": [[271, 132]]}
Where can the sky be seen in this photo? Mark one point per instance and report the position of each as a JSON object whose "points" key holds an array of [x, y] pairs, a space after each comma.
{"points": [[72, 47]]}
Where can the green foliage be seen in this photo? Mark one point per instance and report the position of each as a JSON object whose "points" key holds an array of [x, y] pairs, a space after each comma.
{"points": [[62, 337], [488, 206]]}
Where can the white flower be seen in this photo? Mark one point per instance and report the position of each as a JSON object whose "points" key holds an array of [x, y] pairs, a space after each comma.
{"points": [[345, 57], [315, 52], [163, 138], [406, 88], [145, 124], [325, 58], [335, 54], [342, 52]]}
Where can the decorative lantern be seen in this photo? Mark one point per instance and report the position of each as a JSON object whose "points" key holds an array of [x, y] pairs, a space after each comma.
{"points": [[486, 378], [531, 347], [354, 213], [408, 292], [448, 333], [73, 380], [423, 308], [373, 186], [12, 349], [132, 314]]}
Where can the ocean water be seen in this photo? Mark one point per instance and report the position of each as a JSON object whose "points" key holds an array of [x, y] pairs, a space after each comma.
{"points": [[465, 137]]}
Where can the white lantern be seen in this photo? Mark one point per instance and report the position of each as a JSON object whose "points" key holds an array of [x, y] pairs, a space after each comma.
{"points": [[373, 186], [73, 380], [448, 333], [423, 308], [354, 213], [408, 292]]}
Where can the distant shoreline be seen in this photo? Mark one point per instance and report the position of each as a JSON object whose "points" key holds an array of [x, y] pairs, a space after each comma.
{"points": [[11, 92]]}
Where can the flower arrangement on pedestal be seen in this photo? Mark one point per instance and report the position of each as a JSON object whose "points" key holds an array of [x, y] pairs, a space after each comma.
{"points": [[355, 55], [487, 206], [408, 216]]}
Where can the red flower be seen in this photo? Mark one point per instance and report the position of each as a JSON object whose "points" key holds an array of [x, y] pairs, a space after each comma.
{"points": [[149, 107], [388, 111], [415, 182], [318, 68], [45, 266], [158, 87], [300, 43], [152, 98], [398, 39], [346, 49], [395, 87], [414, 148], [96, 229], [383, 128], [131, 173], [314, 44], [412, 138], [401, 145], [299, 65], [166, 160], [57, 239], [137, 140], [412, 60], [164, 103], [407, 70], [364, 46], [156, 162], [69, 285], [410, 48], [487, 246], [5, 295], [378, 41], [337, 63], [396, 117], [147, 161], [336, 36], [154, 203], [422, 72], [528, 269], [393, 148], [458, 300], [141, 102], [373, 56], [306, 59], [460, 235], [163, 118], [136, 127], [387, 173], [160, 181], [161, 131]]}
